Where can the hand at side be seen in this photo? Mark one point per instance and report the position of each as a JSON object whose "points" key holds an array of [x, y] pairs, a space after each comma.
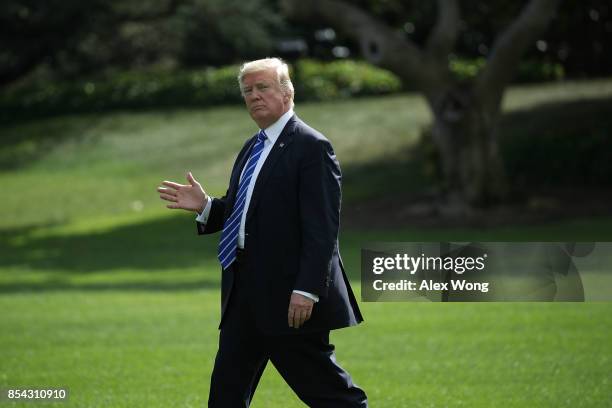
{"points": [[300, 309]]}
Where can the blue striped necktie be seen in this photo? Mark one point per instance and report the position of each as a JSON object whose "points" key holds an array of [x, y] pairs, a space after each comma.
{"points": [[229, 236]]}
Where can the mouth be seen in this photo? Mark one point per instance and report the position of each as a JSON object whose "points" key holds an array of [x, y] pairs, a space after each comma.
{"points": [[258, 107]]}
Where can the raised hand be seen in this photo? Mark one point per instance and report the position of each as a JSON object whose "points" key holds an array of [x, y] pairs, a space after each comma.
{"points": [[190, 197]]}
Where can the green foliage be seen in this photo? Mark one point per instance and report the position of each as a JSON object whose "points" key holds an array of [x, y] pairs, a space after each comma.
{"points": [[340, 79], [528, 71], [219, 32], [127, 90], [464, 69], [212, 86], [536, 71]]}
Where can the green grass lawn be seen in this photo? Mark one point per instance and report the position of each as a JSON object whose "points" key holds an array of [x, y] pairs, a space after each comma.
{"points": [[105, 292], [132, 348]]}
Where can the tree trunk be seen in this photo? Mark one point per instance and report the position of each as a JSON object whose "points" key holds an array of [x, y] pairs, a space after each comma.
{"points": [[464, 133], [464, 128]]}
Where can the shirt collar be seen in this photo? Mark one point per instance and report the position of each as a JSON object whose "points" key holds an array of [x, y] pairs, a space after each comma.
{"points": [[274, 130]]}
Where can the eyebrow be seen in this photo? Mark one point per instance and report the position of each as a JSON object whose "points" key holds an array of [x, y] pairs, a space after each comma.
{"points": [[258, 83]]}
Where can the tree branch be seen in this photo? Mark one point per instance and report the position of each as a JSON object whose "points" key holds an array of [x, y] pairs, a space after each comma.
{"points": [[379, 44], [442, 39], [508, 49]]}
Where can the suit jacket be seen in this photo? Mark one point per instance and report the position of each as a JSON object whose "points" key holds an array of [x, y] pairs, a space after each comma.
{"points": [[291, 233]]}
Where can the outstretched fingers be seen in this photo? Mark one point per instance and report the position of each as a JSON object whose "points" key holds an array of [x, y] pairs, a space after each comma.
{"points": [[172, 184], [168, 197], [166, 190]]}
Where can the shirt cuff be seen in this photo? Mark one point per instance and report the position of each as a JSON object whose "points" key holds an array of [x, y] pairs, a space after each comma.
{"points": [[203, 217], [307, 294]]}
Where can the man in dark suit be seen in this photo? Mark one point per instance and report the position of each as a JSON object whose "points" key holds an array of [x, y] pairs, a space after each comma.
{"points": [[283, 285]]}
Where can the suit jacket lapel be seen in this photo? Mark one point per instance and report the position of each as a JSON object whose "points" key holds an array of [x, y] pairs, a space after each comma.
{"points": [[277, 150]]}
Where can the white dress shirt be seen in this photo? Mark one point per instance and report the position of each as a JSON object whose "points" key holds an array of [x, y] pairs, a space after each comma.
{"points": [[272, 132]]}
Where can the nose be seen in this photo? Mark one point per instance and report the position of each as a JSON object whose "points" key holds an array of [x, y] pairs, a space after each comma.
{"points": [[254, 95]]}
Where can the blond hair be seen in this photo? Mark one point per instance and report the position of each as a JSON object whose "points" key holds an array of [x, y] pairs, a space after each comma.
{"points": [[282, 74]]}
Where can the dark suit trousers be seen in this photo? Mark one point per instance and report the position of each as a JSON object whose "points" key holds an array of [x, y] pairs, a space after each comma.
{"points": [[306, 361]]}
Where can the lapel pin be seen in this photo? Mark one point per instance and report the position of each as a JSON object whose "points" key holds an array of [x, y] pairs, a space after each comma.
{"points": [[282, 144]]}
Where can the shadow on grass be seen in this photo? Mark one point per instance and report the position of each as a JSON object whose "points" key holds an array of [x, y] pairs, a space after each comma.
{"points": [[567, 145], [404, 171], [165, 243], [59, 286], [148, 256], [22, 144]]}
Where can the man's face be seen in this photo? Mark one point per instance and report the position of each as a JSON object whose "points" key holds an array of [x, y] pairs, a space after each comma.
{"points": [[263, 97]]}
